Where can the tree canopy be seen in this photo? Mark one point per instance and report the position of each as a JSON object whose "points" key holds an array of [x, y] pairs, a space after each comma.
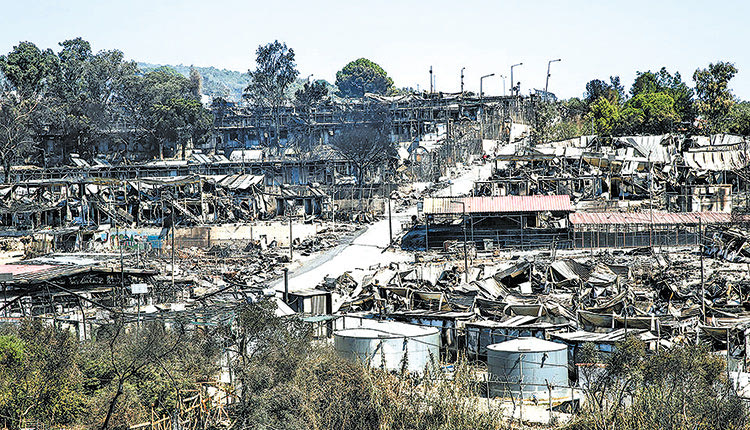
{"points": [[27, 68], [363, 76], [650, 113], [715, 100], [275, 71], [671, 85], [77, 98], [311, 94]]}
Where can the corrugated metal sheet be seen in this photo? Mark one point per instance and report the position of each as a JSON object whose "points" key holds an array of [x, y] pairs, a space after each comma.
{"points": [[645, 218], [505, 204], [650, 147], [611, 337], [717, 158], [240, 181]]}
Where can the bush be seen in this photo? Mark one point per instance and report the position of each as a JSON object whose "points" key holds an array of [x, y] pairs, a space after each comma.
{"points": [[685, 387]]}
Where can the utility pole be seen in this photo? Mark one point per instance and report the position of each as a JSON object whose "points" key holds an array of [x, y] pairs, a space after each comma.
{"points": [[512, 83], [481, 105], [546, 83], [286, 285]]}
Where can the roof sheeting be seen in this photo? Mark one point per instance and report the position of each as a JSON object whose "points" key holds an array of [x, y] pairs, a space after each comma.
{"points": [[504, 204], [717, 158], [650, 147], [611, 337], [239, 181], [35, 273], [645, 218]]}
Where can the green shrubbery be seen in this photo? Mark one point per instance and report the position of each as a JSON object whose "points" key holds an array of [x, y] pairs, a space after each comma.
{"points": [[684, 387], [282, 379]]}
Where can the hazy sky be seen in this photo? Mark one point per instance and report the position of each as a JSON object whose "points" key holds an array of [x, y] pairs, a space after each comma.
{"points": [[594, 39]]}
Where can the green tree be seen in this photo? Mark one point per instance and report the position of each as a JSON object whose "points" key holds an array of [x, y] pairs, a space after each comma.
{"points": [[81, 102], [649, 113], [28, 69], [363, 76], [739, 118], [311, 94], [268, 351], [39, 376], [715, 99], [160, 107], [179, 120], [16, 135], [672, 85], [604, 116], [678, 388], [612, 91], [275, 71]]}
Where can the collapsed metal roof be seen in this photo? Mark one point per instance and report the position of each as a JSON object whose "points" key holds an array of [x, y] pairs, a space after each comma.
{"points": [[717, 158]]}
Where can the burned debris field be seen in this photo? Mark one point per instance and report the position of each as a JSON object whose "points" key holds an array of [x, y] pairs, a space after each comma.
{"points": [[193, 247]]}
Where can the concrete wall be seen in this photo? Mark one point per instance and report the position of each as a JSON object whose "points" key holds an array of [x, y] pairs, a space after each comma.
{"points": [[207, 236]]}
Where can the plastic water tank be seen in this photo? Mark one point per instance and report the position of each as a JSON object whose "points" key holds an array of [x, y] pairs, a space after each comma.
{"points": [[527, 362], [389, 344]]}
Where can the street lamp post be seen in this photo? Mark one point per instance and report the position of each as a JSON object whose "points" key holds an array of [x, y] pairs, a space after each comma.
{"points": [[503, 77], [466, 254], [462, 80], [308, 77], [481, 105], [512, 82], [546, 83]]}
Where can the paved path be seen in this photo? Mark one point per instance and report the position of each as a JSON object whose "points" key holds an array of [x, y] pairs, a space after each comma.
{"points": [[366, 250]]}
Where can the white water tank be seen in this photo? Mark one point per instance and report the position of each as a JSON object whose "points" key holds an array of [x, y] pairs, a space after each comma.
{"points": [[389, 344], [527, 363]]}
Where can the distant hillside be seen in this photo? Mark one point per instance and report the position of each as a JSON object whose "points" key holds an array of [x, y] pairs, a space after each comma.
{"points": [[228, 84], [216, 82]]}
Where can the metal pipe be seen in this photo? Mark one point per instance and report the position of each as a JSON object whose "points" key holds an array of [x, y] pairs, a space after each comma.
{"points": [[286, 284]]}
